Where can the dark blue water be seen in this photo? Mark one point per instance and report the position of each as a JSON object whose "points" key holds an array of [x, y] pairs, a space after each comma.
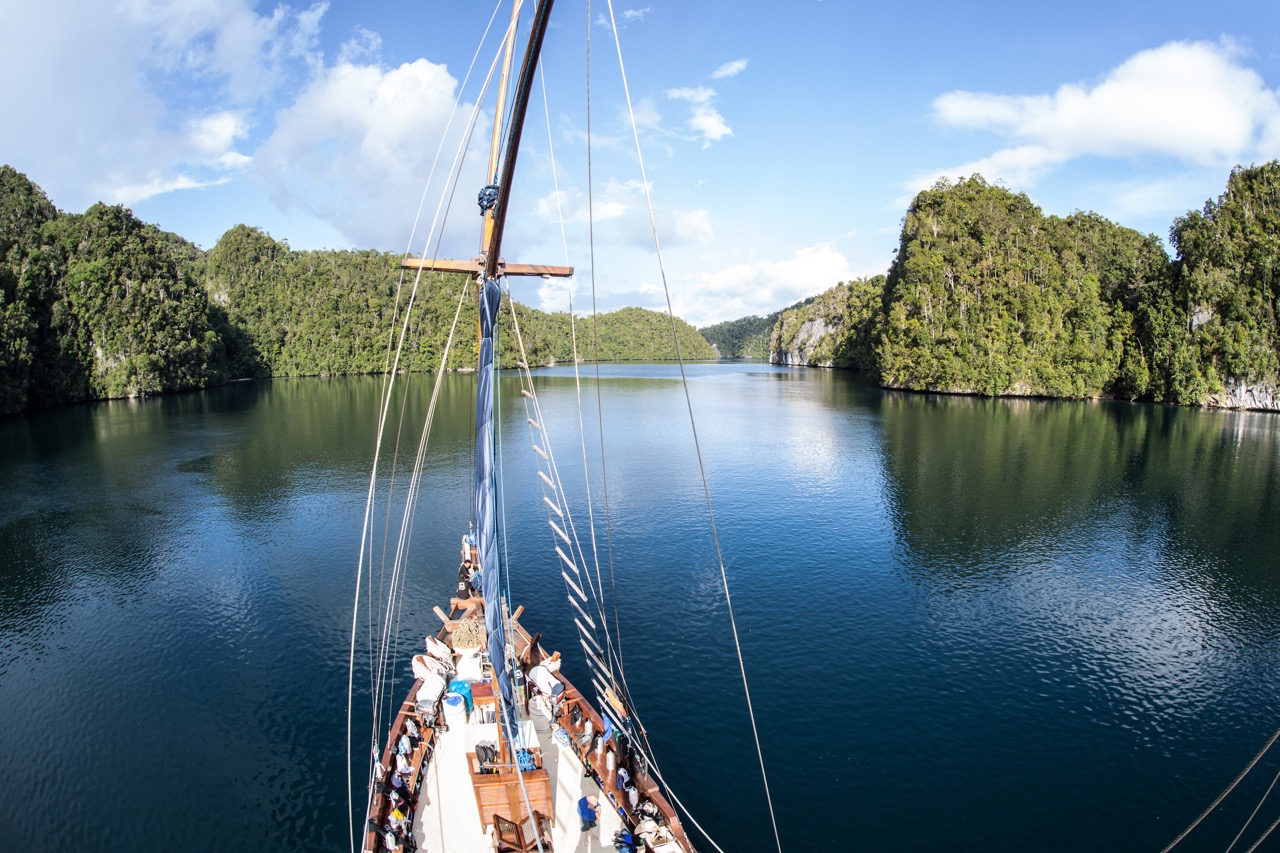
{"points": [[968, 624]]}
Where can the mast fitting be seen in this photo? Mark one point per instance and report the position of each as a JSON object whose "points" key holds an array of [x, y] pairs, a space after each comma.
{"points": [[488, 198]]}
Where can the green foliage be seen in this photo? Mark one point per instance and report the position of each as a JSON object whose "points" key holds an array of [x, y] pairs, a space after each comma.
{"points": [[101, 305], [746, 337], [24, 209], [989, 296], [324, 312], [985, 295], [837, 328], [1221, 311], [96, 305]]}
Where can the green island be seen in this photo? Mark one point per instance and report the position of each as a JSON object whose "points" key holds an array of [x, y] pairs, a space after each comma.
{"points": [[101, 305], [985, 295]]}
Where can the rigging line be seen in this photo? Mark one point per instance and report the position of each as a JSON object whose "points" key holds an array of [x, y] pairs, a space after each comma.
{"points": [[1256, 809], [595, 342], [724, 577], [397, 574], [666, 787], [401, 544], [455, 169], [462, 87], [415, 486], [381, 426], [615, 652], [532, 400], [1270, 829], [369, 500], [1245, 772], [360, 566]]}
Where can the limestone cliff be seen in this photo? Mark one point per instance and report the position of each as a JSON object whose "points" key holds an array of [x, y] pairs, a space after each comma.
{"points": [[835, 329]]}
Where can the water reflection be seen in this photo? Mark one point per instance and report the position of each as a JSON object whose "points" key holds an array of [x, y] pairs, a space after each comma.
{"points": [[987, 624]]}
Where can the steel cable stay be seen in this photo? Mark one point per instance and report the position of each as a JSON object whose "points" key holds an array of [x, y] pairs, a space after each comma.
{"points": [[552, 485], [724, 579], [1243, 773], [1265, 835], [392, 584], [615, 645], [1254, 814], [391, 372], [595, 342], [646, 750], [396, 586]]}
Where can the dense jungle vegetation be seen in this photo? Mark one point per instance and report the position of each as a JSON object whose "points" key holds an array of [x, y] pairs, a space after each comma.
{"points": [[988, 295], [100, 304], [985, 295], [746, 337]]}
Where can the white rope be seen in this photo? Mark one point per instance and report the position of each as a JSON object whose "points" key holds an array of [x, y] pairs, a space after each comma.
{"points": [[1265, 835], [724, 578], [1223, 795], [426, 187], [391, 371], [1256, 809], [615, 651], [534, 409]]}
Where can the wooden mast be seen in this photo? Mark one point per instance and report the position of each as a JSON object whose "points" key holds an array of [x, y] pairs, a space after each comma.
{"points": [[489, 264]]}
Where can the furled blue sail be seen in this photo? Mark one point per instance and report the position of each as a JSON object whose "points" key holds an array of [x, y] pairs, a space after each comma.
{"points": [[486, 517]]}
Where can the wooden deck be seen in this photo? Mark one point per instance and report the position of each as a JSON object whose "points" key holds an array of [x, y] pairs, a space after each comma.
{"points": [[458, 800]]}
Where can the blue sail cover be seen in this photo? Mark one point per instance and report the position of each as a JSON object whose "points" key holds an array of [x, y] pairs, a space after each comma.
{"points": [[485, 513]]}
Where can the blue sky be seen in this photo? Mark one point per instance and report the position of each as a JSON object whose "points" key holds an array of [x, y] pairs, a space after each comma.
{"points": [[782, 141]]}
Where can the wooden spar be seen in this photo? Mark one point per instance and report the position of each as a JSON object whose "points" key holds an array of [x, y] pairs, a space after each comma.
{"points": [[476, 266], [489, 264], [498, 110], [518, 108]]}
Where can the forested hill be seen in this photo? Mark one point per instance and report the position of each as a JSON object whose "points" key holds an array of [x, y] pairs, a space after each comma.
{"points": [[746, 337], [100, 304], [987, 295]]}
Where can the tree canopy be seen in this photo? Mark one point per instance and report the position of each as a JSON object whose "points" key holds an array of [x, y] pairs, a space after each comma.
{"points": [[100, 305], [988, 295]]}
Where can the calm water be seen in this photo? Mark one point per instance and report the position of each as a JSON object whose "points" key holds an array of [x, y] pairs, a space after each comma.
{"points": [[968, 624]]}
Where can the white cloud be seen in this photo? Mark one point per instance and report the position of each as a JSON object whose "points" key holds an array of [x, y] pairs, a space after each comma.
{"points": [[628, 16], [694, 226], [128, 194], [621, 216], [366, 43], [252, 54], [761, 287], [697, 95], [709, 124], [729, 69], [143, 97], [214, 135], [704, 120], [350, 147], [571, 205], [1193, 102]]}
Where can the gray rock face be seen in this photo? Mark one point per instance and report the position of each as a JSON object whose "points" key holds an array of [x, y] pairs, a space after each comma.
{"points": [[807, 338], [1238, 395]]}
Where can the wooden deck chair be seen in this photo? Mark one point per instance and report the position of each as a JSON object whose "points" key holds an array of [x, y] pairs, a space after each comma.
{"points": [[511, 837]]}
